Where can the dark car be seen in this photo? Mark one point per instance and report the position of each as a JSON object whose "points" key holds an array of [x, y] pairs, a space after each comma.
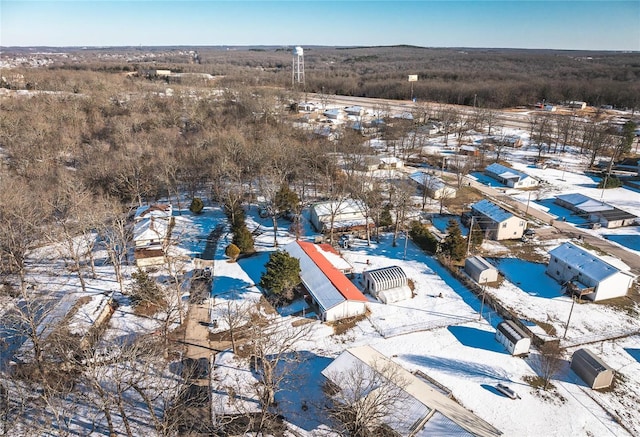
{"points": [[530, 233]]}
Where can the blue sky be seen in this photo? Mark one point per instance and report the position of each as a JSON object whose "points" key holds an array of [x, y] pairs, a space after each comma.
{"points": [[590, 25]]}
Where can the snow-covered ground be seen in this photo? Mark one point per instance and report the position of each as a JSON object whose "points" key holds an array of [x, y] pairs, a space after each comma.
{"points": [[439, 331]]}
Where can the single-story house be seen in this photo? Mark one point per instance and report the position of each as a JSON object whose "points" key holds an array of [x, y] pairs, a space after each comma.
{"points": [[347, 215], [330, 290], [420, 410], [354, 110], [150, 233], [388, 284], [591, 275], [591, 369], [497, 222], [512, 337], [577, 104], [596, 211], [156, 210], [469, 150], [332, 114], [435, 187], [510, 177], [480, 270]]}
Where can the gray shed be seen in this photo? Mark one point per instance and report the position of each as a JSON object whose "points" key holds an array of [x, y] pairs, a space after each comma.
{"points": [[480, 270], [513, 338], [591, 369]]}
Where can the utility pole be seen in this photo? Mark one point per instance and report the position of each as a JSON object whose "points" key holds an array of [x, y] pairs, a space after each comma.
{"points": [[469, 235], [573, 302], [484, 285]]}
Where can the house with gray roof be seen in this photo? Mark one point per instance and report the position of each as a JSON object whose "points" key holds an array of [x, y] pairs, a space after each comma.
{"points": [[596, 211], [592, 276], [497, 222], [510, 177]]}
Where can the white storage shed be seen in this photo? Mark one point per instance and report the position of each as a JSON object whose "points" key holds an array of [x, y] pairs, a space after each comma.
{"points": [[388, 284], [513, 338], [480, 270]]}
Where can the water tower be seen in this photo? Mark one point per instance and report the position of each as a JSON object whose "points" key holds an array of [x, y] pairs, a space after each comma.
{"points": [[298, 66]]}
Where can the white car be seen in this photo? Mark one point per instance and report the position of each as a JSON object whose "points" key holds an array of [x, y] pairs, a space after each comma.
{"points": [[507, 391]]}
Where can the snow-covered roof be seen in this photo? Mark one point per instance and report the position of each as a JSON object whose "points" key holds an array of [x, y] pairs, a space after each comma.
{"points": [[584, 262], [420, 397], [479, 263], [506, 172], [492, 211], [346, 206], [512, 331], [425, 179], [326, 283], [583, 203], [150, 229], [158, 210]]}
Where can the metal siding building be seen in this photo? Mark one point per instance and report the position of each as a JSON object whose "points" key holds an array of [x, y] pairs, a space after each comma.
{"points": [[513, 338], [571, 263], [336, 297], [422, 402], [389, 284], [480, 270], [591, 369], [510, 176]]}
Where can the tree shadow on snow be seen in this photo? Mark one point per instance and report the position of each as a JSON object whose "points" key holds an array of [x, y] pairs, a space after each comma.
{"points": [[224, 285], [458, 367]]}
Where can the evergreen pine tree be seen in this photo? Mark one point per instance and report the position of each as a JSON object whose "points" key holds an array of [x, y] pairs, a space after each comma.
{"points": [[282, 274], [454, 244], [243, 239]]}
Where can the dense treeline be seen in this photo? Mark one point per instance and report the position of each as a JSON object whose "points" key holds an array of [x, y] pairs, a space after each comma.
{"points": [[490, 77]]}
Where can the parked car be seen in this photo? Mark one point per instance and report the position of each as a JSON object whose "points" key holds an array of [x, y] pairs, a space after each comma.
{"points": [[507, 391], [530, 233]]}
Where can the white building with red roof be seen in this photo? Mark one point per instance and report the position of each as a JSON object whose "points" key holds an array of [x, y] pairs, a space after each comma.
{"points": [[331, 291]]}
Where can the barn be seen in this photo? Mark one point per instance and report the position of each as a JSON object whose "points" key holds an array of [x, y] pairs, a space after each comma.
{"points": [[480, 270], [334, 295], [510, 177], [512, 337], [591, 369], [388, 284]]}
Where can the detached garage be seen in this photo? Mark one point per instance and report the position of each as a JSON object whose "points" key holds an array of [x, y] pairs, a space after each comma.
{"points": [[591, 369], [388, 284], [513, 338]]}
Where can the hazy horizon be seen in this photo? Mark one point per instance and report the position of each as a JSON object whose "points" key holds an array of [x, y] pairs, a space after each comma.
{"points": [[604, 25]]}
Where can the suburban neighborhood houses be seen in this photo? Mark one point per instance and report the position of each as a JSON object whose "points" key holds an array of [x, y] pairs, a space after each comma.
{"points": [[282, 262]]}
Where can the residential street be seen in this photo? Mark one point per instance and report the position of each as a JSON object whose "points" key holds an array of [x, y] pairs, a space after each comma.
{"points": [[562, 229]]}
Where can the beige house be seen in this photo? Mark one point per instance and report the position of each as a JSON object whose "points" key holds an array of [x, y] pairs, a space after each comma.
{"points": [[497, 222]]}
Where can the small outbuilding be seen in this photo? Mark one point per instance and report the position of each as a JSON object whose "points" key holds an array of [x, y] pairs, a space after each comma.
{"points": [[388, 284], [591, 369], [512, 337], [480, 270]]}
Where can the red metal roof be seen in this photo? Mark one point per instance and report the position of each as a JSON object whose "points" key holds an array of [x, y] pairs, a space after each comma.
{"points": [[337, 278]]}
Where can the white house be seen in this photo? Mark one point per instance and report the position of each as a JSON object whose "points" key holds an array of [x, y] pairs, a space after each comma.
{"points": [[510, 176], [347, 215], [335, 296], [388, 284], [595, 278], [497, 222], [150, 232], [156, 210], [512, 337], [480, 270], [420, 410], [435, 187]]}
